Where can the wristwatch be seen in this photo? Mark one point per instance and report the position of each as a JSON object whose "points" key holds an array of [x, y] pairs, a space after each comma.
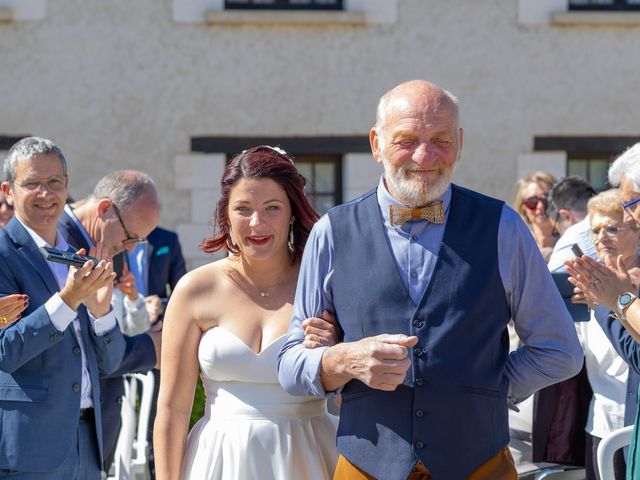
{"points": [[624, 302]]}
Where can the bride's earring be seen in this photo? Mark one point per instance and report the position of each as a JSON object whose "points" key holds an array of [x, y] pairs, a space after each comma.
{"points": [[290, 242], [232, 247]]}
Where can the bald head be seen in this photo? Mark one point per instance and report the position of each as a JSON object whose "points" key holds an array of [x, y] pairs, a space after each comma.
{"points": [[417, 140], [416, 94]]}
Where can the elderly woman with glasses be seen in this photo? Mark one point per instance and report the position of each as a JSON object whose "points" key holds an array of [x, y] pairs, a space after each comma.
{"points": [[607, 371], [530, 202]]}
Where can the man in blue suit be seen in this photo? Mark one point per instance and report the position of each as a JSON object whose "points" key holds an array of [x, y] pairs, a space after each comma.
{"points": [[50, 359], [122, 210]]}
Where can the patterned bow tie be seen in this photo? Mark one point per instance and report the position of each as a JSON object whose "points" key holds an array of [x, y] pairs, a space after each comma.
{"points": [[433, 213]]}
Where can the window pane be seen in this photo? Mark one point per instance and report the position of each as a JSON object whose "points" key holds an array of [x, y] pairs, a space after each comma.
{"points": [[306, 170], [578, 167], [598, 171], [325, 177]]}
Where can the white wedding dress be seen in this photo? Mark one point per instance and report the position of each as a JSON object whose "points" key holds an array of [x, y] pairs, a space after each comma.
{"points": [[253, 429]]}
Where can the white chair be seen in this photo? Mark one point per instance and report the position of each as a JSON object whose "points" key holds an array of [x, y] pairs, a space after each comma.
{"points": [[131, 458], [610, 445]]}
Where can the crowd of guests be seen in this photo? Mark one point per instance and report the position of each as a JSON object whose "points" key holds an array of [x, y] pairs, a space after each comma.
{"points": [[595, 239], [286, 321]]}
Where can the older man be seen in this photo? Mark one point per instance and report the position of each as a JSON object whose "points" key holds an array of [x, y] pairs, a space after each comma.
{"points": [[122, 210], [50, 415], [423, 277]]}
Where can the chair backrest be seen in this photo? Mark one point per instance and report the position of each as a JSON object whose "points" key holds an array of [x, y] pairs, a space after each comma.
{"points": [[608, 446], [131, 448], [126, 437], [146, 402]]}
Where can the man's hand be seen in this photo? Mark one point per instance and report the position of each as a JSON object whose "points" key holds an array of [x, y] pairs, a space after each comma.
{"points": [[381, 362], [154, 308], [89, 285], [127, 284], [320, 332]]}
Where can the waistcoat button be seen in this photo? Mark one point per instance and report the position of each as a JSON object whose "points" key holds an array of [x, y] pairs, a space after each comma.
{"points": [[76, 387], [419, 382], [419, 413], [418, 324], [419, 445]]}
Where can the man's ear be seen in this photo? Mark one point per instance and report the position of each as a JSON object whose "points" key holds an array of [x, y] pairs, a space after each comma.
{"points": [[104, 204], [374, 141], [6, 191]]}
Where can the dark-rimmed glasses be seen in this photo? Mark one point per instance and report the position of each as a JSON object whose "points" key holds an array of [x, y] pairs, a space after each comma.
{"points": [[627, 205], [131, 240], [532, 202]]}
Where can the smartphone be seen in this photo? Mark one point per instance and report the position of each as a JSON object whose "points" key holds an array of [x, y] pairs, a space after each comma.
{"points": [[577, 251], [68, 258]]}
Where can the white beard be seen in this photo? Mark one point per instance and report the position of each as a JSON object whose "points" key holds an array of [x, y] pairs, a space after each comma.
{"points": [[415, 192]]}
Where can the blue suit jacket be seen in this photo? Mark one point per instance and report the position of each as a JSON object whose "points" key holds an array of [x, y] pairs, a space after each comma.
{"points": [[139, 356], [166, 263], [40, 367]]}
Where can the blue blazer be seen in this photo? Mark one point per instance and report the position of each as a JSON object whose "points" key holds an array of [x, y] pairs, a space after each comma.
{"points": [[139, 356], [40, 367], [166, 263]]}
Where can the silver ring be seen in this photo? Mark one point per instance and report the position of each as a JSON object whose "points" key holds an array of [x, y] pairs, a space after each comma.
{"points": [[596, 282]]}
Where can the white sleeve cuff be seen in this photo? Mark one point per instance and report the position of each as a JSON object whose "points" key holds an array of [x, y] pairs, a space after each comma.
{"points": [[103, 324], [60, 313]]}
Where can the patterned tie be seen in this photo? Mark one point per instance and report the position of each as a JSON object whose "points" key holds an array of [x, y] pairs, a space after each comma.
{"points": [[434, 213]]}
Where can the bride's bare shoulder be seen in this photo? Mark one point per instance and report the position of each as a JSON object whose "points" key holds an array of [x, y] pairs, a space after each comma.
{"points": [[204, 280]]}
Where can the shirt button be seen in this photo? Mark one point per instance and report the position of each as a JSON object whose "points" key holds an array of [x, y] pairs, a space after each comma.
{"points": [[419, 413], [76, 351], [419, 445], [418, 351], [76, 387], [414, 238], [418, 324], [414, 275], [419, 382]]}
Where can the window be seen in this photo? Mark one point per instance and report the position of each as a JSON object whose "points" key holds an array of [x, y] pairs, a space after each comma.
{"points": [[604, 4], [588, 157], [594, 170], [323, 173], [284, 4]]}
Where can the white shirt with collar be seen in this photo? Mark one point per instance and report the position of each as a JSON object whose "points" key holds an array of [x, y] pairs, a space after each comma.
{"points": [[62, 315]]}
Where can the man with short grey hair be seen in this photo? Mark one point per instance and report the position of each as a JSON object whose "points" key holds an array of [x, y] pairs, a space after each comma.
{"points": [[50, 358]]}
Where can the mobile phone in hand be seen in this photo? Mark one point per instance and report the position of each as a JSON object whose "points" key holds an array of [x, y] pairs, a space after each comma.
{"points": [[68, 258], [577, 251]]}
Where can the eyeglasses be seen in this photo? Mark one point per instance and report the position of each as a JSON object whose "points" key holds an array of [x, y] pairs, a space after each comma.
{"points": [[131, 240], [609, 231], [627, 205], [53, 184], [532, 202]]}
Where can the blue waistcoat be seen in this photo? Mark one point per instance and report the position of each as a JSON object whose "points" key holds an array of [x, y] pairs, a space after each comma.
{"points": [[451, 410]]}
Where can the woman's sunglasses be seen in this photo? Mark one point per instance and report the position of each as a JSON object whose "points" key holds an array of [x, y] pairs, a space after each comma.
{"points": [[532, 202]]}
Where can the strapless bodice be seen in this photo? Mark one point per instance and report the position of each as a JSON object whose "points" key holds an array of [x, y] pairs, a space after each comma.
{"points": [[240, 382]]}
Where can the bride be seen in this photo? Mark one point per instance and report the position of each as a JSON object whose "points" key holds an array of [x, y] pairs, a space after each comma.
{"points": [[230, 318]]}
